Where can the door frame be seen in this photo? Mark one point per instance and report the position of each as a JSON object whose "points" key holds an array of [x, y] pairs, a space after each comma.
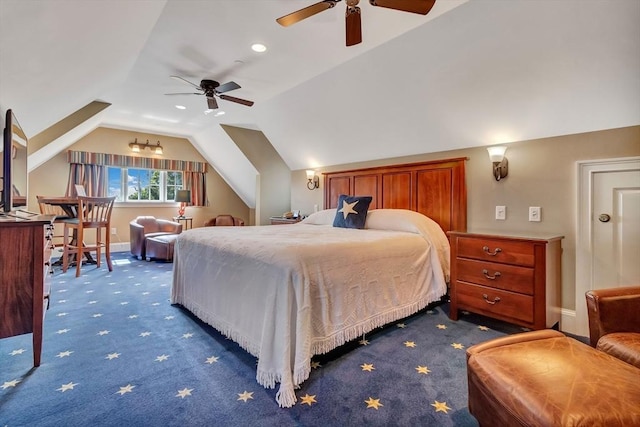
{"points": [[584, 229]]}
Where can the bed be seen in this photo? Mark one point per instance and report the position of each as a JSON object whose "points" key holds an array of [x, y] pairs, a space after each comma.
{"points": [[289, 292]]}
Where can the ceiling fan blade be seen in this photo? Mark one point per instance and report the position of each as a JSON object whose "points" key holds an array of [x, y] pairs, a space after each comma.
{"points": [[211, 102], [353, 26], [227, 87], [186, 81], [185, 93], [237, 100], [305, 13], [414, 6]]}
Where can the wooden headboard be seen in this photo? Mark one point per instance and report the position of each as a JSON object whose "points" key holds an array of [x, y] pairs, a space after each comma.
{"points": [[436, 189]]}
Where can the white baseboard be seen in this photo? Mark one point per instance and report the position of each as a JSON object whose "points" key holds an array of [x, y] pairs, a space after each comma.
{"points": [[120, 247], [568, 321]]}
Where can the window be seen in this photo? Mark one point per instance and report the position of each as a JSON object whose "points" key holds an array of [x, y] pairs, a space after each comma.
{"points": [[143, 185]]}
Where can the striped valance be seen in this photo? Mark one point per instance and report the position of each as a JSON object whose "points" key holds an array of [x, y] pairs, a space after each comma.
{"points": [[118, 160]]}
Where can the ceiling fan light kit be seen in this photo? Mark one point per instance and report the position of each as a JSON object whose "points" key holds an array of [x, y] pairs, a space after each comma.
{"points": [[353, 24]]}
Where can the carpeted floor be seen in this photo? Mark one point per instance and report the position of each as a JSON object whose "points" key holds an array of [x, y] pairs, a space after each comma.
{"points": [[117, 353]]}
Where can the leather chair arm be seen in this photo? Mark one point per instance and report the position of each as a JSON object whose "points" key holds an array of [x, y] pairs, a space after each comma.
{"points": [[136, 238], [613, 310], [513, 339], [169, 226]]}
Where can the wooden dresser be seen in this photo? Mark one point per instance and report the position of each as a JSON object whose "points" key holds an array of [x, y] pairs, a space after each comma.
{"points": [[25, 266], [511, 278]]}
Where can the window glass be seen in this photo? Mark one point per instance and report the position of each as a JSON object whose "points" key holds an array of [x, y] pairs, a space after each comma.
{"points": [[143, 185]]}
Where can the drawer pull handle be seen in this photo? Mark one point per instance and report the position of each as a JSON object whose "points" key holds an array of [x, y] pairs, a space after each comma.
{"points": [[494, 253], [486, 299], [494, 277]]}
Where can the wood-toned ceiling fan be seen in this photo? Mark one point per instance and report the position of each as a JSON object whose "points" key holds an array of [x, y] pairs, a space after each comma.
{"points": [[211, 89], [352, 16]]}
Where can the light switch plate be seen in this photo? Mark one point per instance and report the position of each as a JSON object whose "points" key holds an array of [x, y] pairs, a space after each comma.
{"points": [[534, 214], [501, 212]]}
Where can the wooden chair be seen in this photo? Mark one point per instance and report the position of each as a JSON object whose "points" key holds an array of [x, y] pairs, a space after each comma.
{"points": [[61, 218], [93, 213]]}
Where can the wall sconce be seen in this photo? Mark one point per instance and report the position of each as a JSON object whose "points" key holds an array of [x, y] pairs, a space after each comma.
{"points": [[500, 163], [184, 197], [313, 180], [136, 147]]}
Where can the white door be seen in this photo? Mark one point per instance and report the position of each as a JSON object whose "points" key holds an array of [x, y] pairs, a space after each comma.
{"points": [[608, 240]]}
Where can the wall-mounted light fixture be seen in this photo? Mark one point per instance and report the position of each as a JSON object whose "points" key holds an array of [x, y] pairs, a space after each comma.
{"points": [[184, 197], [313, 180], [500, 163], [136, 147]]}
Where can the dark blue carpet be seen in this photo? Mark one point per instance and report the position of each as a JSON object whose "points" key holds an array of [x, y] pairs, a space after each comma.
{"points": [[116, 352]]}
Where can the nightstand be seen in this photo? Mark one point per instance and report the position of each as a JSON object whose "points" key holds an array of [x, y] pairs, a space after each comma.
{"points": [[515, 278], [188, 221], [278, 220]]}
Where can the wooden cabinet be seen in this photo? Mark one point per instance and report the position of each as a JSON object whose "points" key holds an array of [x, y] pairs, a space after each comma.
{"points": [[25, 252], [511, 278]]}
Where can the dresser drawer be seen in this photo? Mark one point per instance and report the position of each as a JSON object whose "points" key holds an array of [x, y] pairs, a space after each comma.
{"points": [[505, 251], [494, 302], [495, 275]]}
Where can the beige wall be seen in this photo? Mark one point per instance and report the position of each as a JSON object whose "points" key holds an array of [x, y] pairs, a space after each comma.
{"points": [[273, 186], [542, 173], [50, 179]]}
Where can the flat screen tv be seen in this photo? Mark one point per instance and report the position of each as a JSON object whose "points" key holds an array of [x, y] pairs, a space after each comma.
{"points": [[14, 165]]}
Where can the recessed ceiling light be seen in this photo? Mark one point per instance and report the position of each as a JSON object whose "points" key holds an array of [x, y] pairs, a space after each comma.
{"points": [[258, 47], [181, 107], [208, 111], [219, 113]]}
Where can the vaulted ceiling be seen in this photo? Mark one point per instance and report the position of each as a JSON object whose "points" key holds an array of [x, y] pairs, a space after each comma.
{"points": [[470, 73]]}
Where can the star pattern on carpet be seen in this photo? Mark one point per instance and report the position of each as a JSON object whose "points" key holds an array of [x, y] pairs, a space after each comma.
{"points": [[347, 208], [373, 403], [112, 356], [62, 314], [105, 332], [483, 328], [315, 364], [64, 353], [126, 389], [184, 392], [441, 326], [457, 346], [62, 331], [308, 399], [211, 360], [423, 370], [8, 384], [162, 358], [441, 406], [401, 325], [245, 396], [97, 315], [363, 342], [367, 367], [187, 335], [410, 344], [68, 386], [145, 334], [133, 316], [17, 352]]}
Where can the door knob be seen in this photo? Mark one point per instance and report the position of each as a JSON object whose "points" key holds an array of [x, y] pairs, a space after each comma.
{"points": [[604, 218]]}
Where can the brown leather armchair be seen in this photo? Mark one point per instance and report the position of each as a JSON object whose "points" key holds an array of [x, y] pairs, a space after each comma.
{"points": [[614, 322], [144, 227], [227, 220]]}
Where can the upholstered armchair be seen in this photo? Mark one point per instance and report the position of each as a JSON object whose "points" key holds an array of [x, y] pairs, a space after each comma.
{"points": [[144, 227], [224, 220]]}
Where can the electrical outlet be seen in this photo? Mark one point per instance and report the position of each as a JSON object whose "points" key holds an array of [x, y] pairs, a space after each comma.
{"points": [[501, 212], [114, 230], [534, 214]]}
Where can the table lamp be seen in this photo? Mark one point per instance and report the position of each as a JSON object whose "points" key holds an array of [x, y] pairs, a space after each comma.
{"points": [[183, 196]]}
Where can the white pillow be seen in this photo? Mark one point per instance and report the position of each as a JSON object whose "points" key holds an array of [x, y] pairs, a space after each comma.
{"points": [[412, 222], [323, 217]]}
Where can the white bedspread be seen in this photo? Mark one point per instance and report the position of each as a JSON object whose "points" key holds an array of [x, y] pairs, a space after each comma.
{"points": [[287, 292]]}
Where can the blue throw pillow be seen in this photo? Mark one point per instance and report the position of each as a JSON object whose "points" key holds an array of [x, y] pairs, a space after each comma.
{"points": [[351, 211]]}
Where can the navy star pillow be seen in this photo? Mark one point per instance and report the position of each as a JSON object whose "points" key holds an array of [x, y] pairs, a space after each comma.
{"points": [[351, 211]]}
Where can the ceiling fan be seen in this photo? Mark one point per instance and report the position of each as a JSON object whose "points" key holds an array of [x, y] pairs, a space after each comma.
{"points": [[211, 89], [352, 16]]}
